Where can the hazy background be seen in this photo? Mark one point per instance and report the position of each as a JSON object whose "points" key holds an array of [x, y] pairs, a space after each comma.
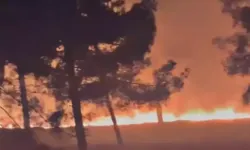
{"points": [[184, 33], [185, 29]]}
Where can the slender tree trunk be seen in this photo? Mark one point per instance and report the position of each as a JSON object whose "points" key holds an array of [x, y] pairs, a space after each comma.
{"points": [[113, 118], [2, 64], [159, 113], [24, 101], [74, 83], [111, 110]]}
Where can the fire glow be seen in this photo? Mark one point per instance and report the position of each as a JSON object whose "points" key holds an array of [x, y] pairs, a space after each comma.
{"points": [[142, 117], [195, 116]]}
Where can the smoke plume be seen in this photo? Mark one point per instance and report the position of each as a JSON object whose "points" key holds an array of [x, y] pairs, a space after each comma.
{"points": [[185, 30]]}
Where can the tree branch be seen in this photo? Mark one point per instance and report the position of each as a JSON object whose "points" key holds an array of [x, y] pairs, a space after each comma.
{"points": [[10, 116]]}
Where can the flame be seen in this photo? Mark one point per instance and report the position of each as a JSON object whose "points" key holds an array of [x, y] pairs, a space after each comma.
{"points": [[194, 116], [142, 117]]}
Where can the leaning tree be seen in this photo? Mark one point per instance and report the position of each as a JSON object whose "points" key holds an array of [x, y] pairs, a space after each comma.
{"points": [[107, 85]]}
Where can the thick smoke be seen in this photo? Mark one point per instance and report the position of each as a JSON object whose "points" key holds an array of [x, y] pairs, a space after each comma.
{"points": [[185, 30], [237, 61]]}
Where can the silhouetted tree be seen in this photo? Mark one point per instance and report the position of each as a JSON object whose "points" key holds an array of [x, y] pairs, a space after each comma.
{"points": [[138, 29], [165, 84], [43, 22], [142, 26], [109, 85], [63, 73], [25, 52], [238, 60], [106, 87], [10, 91]]}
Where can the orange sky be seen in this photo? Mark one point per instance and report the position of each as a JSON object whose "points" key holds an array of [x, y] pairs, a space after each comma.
{"points": [[185, 32]]}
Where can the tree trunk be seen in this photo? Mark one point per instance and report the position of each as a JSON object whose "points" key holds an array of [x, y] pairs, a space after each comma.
{"points": [[113, 118], [24, 101], [159, 113], [2, 64], [76, 107], [74, 83]]}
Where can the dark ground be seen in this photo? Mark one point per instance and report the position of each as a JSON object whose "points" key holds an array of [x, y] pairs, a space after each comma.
{"points": [[213, 135]]}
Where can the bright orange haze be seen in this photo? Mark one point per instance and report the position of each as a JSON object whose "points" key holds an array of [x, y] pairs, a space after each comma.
{"points": [[141, 117], [185, 30]]}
